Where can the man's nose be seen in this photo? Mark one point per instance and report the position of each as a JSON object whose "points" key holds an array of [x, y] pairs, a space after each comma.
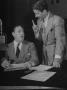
{"points": [[22, 34]]}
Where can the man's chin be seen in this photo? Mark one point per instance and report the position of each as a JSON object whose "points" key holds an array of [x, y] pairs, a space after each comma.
{"points": [[19, 41], [22, 40]]}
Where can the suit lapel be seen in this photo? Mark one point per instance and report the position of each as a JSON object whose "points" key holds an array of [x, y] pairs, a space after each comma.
{"points": [[12, 50], [49, 24]]}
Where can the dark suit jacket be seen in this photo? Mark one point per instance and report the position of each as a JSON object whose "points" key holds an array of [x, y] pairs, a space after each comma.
{"points": [[27, 53]]}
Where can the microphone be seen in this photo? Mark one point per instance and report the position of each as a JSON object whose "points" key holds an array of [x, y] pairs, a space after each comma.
{"points": [[1, 26], [2, 35]]}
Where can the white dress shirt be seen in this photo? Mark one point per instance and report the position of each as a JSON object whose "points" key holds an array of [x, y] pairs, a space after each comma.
{"points": [[15, 45]]}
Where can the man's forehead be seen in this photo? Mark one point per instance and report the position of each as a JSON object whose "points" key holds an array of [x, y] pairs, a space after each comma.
{"points": [[19, 28]]}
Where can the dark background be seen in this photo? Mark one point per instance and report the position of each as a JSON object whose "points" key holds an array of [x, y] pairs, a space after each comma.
{"points": [[19, 12], [16, 12]]}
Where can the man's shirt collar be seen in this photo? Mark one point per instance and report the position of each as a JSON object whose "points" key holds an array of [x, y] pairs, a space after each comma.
{"points": [[15, 45]]}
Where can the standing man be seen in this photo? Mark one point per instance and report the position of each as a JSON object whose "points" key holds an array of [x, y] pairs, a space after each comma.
{"points": [[20, 51], [49, 29]]}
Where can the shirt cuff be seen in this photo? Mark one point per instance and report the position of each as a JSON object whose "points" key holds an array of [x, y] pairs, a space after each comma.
{"points": [[58, 56]]}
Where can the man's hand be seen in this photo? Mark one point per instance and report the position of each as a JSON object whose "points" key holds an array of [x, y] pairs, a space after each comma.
{"points": [[56, 64], [33, 23], [5, 64], [35, 29], [27, 65]]}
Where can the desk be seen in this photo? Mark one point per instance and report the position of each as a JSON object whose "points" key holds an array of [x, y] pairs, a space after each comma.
{"points": [[59, 80]]}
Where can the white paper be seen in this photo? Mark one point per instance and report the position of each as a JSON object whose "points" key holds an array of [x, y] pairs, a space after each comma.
{"points": [[18, 65], [15, 67], [41, 68], [39, 76]]}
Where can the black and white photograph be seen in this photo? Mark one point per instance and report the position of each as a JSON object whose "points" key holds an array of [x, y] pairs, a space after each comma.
{"points": [[33, 44]]}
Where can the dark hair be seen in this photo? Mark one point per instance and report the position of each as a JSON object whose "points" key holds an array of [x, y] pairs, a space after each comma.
{"points": [[40, 5], [17, 27]]}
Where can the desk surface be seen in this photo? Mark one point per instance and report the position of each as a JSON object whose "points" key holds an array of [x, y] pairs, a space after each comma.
{"points": [[13, 79]]}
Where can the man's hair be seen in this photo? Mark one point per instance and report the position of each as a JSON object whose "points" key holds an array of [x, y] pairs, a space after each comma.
{"points": [[18, 26], [40, 5]]}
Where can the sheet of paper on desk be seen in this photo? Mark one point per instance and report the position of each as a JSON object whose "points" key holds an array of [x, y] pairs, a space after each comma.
{"points": [[15, 67], [41, 68], [39, 76]]}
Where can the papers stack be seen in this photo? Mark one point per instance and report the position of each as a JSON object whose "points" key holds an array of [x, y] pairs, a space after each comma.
{"points": [[41, 68], [39, 76], [40, 73], [15, 67]]}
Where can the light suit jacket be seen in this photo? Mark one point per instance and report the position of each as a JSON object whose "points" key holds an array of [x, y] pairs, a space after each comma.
{"points": [[27, 53], [53, 34]]}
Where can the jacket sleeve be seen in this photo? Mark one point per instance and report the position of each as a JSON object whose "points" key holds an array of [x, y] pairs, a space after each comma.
{"points": [[4, 60], [6, 54], [60, 37], [34, 57]]}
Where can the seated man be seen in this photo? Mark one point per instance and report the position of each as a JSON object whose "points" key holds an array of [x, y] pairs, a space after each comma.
{"points": [[20, 51]]}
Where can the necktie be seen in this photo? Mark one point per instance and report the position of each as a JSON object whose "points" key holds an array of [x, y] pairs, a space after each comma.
{"points": [[17, 51], [40, 33]]}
